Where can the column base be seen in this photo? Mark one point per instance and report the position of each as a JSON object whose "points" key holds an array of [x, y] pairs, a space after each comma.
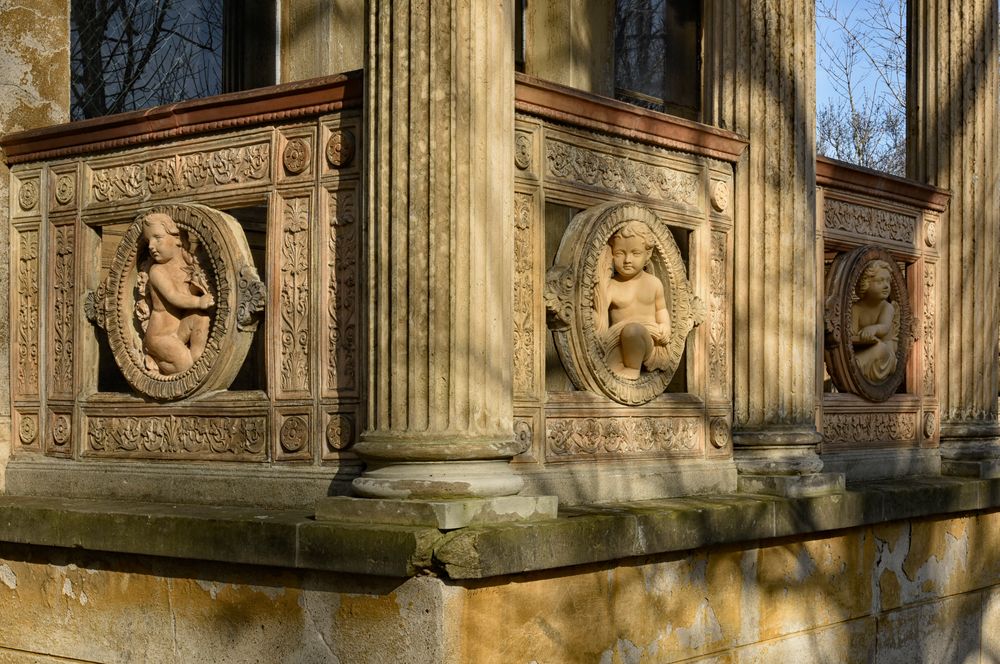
{"points": [[428, 480], [792, 486], [970, 449], [984, 469], [440, 514]]}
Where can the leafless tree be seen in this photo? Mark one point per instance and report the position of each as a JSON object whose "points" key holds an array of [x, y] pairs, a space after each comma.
{"points": [[132, 54], [862, 50]]}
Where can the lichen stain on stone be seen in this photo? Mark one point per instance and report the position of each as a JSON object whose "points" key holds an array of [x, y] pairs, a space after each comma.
{"points": [[8, 577], [34, 70]]}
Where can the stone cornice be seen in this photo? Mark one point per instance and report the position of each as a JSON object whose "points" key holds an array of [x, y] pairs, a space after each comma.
{"points": [[278, 103], [562, 104], [848, 177]]}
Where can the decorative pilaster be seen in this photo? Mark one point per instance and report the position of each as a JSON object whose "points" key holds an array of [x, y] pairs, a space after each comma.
{"points": [[953, 141], [440, 127], [766, 50]]}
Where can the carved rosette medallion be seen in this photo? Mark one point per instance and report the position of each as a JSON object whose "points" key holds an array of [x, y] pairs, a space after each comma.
{"points": [[573, 298], [522, 151], [930, 425], [339, 432], [868, 332], [930, 233], [523, 434], [62, 430], [296, 156], [65, 189], [27, 197], [294, 433], [27, 430], [718, 432], [217, 267], [340, 148], [720, 196]]}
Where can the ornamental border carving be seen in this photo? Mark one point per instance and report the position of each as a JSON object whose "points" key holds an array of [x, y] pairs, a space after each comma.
{"points": [[854, 428], [27, 313], [235, 286], [871, 222], [569, 301], [620, 437], [177, 437], [841, 359]]}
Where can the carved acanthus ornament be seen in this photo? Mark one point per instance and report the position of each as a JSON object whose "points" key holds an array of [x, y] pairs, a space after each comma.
{"points": [[63, 280], [342, 296], [177, 437], [620, 175], [863, 220], [929, 332], [524, 296], [620, 314], [620, 436], [27, 313], [869, 328], [295, 295], [718, 346], [181, 301], [862, 428], [182, 173]]}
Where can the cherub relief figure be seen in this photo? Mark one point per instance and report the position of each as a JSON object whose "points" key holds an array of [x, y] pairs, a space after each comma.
{"points": [[630, 311], [874, 328], [173, 299]]}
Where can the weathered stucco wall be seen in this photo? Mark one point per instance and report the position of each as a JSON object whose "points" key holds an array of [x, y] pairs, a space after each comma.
{"points": [[912, 592], [34, 92]]}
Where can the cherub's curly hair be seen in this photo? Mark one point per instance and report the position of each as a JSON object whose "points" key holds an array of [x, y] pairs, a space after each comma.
{"points": [[635, 228], [869, 273]]}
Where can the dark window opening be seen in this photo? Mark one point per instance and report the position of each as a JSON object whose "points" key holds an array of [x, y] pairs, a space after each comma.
{"points": [[128, 55], [658, 55]]}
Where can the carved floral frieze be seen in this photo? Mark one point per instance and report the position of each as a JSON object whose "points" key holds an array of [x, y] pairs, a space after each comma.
{"points": [[872, 222], [524, 296], [861, 428], [177, 437], [619, 303], [583, 166], [63, 281], [181, 301], [929, 333], [594, 437], [27, 314], [181, 173], [718, 336], [869, 328]]}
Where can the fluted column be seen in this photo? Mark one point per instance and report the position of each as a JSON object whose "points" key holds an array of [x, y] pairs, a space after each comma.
{"points": [[440, 93], [952, 130], [764, 58]]}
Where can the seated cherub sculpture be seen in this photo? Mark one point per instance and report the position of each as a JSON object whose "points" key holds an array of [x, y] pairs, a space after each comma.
{"points": [[630, 311], [874, 326], [174, 299]]}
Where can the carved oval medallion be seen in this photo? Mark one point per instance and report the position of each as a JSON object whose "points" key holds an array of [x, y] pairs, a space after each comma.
{"points": [[180, 301], [65, 189], [868, 323], [522, 151], [340, 148], [619, 302], [293, 434], [296, 156], [339, 432], [27, 197], [28, 429], [61, 430], [720, 196]]}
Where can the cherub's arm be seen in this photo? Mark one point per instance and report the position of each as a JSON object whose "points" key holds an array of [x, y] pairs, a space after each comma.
{"points": [[662, 313], [176, 294], [877, 331]]}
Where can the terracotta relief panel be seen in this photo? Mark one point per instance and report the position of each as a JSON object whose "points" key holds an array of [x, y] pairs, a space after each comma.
{"points": [[181, 301], [868, 323], [294, 284], [62, 256], [525, 293], [580, 165], [228, 438], [27, 319], [619, 303], [180, 174], [610, 437], [343, 265]]}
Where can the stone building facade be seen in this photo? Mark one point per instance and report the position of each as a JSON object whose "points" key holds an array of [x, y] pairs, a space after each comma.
{"points": [[443, 349]]}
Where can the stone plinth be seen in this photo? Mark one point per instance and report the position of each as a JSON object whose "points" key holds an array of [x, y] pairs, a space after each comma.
{"points": [[440, 514]]}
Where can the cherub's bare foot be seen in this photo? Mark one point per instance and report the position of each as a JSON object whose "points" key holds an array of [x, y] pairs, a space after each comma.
{"points": [[629, 373]]}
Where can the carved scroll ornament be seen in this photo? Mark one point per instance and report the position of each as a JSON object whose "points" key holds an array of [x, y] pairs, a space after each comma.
{"points": [[868, 323], [180, 302], [619, 303]]}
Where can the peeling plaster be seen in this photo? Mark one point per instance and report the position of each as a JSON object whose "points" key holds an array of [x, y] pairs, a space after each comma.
{"points": [[8, 577]]}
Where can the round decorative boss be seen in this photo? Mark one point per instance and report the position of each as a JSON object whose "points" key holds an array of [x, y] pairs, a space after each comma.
{"points": [[339, 432], [720, 196], [868, 323], [27, 197], [61, 430], [619, 302], [719, 432], [28, 429], [293, 434], [296, 156], [65, 189], [522, 151], [180, 302], [340, 148]]}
